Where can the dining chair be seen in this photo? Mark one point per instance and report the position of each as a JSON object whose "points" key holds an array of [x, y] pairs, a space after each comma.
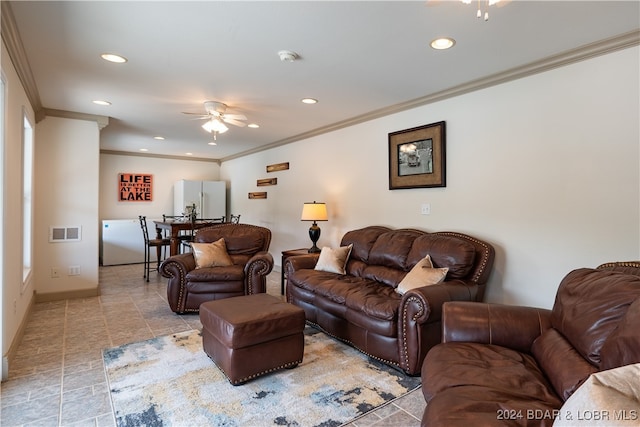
{"points": [[161, 245], [234, 219], [186, 240]]}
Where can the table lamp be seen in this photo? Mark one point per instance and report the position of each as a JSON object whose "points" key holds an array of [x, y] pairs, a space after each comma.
{"points": [[313, 211]]}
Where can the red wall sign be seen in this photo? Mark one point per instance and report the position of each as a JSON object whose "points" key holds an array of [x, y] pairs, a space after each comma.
{"points": [[135, 187]]}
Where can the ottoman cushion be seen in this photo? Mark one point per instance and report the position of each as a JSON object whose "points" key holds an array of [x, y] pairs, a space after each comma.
{"points": [[252, 319], [249, 336]]}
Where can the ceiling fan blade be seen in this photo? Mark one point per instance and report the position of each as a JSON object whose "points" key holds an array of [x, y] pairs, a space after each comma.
{"points": [[233, 122], [235, 116]]}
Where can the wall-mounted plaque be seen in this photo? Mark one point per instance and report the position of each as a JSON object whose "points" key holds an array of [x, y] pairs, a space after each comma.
{"points": [[267, 181], [135, 187], [278, 167]]}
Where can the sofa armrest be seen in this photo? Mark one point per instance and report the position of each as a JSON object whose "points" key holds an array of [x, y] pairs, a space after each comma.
{"points": [[514, 327], [419, 319], [300, 262], [175, 268], [256, 271], [177, 264]]}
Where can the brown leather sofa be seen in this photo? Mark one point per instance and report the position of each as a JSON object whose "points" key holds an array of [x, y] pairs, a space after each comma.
{"points": [[362, 307], [512, 365], [246, 244]]}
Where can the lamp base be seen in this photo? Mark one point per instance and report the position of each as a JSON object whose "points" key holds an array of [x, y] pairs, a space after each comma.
{"points": [[314, 235]]}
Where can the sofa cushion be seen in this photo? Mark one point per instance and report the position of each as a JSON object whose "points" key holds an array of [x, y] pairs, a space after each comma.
{"points": [[392, 248], [362, 240], [566, 368], [483, 380], [334, 260], [212, 254], [422, 274], [589, 305], [357, 293], [243, 239], [445, 251], [216, 274], [623, 345]]}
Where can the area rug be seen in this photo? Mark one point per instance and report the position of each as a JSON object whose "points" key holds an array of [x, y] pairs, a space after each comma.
{"points": [[170, 381]]}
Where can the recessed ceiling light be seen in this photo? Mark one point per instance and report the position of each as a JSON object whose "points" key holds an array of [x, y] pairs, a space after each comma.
{"points": [[309, 101], [442, 43], [189, 154], [100, 102], [159, 138], [112, 57], [253, 125], [144, 149], [212, 143]]}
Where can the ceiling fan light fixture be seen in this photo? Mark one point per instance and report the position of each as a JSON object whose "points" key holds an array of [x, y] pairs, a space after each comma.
{"points": [[215, 125]]}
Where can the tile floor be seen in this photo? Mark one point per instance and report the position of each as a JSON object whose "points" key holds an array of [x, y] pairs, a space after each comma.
{"points": [[57, 377]]}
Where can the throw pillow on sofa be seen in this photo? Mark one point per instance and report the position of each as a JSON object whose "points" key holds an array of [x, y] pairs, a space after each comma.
{"points": [[609, 397], [334, 260], [211, 254], [422, 274]]}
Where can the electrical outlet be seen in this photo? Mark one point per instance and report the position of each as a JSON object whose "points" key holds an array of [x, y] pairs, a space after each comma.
{"points": [[74, 270], [55, 273], [425, 209]]}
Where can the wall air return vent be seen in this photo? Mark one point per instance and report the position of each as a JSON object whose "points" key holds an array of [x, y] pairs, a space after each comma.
{"points": [[65, 234]]}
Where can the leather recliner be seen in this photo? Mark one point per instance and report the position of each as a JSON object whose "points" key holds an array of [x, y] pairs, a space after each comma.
{"points": [[246, 244], [514, 365]]}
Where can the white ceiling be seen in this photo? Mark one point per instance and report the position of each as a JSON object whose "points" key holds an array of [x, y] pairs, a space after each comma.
{"points": [[359, 59]]}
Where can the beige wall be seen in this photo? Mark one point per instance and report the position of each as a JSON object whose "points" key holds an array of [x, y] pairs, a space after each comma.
{"points": [[546, 168], [66, 193], [16, 298], [165, 173]]}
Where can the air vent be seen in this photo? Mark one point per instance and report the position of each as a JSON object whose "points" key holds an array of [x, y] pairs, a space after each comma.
{"points": [[65, 234]]}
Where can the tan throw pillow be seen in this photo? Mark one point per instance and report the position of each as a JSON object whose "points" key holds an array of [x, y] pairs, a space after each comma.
{"points": [[610, 398], [422, 274], [334, 260], [211, 254]]}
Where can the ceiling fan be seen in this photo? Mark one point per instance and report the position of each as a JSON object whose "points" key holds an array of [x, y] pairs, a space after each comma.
{"points": [[216, 116]]}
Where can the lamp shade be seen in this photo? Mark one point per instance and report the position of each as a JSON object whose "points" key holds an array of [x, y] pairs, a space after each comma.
{"points": [[313, 211]]}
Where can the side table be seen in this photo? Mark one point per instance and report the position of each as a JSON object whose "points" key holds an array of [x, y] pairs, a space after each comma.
{"points": [[286, 254]]}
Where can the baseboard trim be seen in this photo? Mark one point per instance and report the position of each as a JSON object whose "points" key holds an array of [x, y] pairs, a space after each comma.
{"points": [[17, 339], [58, 296]]}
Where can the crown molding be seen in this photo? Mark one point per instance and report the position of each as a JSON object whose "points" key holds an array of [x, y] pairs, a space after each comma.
{"points": [[159, 156], [582, 53], [103, 121], [15, 48]]}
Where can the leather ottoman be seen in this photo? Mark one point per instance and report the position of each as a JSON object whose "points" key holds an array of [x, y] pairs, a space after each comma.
{"points": [[249, 336]]}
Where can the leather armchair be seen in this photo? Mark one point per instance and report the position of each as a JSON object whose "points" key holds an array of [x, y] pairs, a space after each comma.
{"points": [[516, 365], [246, 244]]}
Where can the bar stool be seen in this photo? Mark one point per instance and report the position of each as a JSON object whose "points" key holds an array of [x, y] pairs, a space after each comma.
{"points": [[161, 245]]}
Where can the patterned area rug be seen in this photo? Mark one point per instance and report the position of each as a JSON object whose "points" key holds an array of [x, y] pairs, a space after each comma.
{"points": [[171, 381]]}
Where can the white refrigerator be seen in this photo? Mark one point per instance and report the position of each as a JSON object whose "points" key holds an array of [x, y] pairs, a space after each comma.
{"points": [[210, 198]]}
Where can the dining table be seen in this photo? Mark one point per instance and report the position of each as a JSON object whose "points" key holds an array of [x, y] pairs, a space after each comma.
{"points": [[175, 226]]}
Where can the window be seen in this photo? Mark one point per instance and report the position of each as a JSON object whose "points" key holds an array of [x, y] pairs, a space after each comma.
{"points": [[27, 194]]}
